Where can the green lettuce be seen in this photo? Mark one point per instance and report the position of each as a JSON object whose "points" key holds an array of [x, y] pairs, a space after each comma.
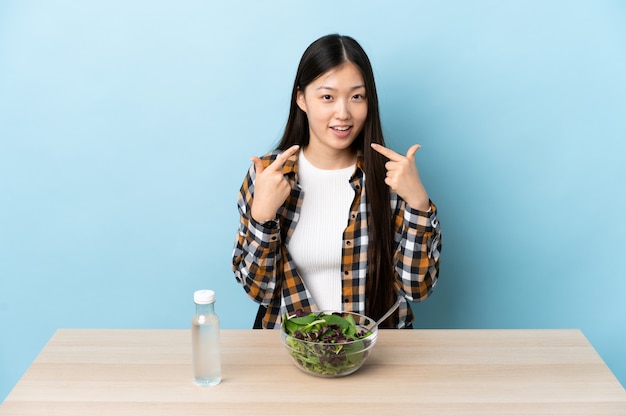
{"points": [[325, 344]]}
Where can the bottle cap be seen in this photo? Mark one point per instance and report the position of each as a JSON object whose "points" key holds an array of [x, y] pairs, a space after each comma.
{"points": [[203, 297]]}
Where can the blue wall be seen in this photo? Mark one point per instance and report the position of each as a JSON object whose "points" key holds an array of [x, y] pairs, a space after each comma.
{"points": [[126, 129]]}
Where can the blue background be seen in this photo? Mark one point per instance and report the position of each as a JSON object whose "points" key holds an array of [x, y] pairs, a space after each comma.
{"points": [[126, 129]]}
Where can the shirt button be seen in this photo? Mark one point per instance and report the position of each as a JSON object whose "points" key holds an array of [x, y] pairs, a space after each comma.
{"points": [[348, 243], [346, 300], [346, 272]]}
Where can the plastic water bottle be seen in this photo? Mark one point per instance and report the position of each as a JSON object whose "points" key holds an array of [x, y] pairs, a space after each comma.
{"points": [[205, 338]]}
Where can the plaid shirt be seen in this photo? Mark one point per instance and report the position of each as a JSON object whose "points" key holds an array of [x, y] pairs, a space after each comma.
{"points": [[263, 266]]}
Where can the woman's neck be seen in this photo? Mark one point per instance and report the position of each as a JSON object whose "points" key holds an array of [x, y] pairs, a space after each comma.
{"points": [[330, 160]]}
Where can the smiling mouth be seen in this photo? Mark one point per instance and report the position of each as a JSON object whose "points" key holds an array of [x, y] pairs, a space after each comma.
{"points": [[341, 128]]}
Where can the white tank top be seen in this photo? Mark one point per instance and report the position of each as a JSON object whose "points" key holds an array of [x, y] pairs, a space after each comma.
{"points": [[316, 242]]}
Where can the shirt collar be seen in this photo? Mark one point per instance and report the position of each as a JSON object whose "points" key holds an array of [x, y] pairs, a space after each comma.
{"points": [[291, 165]]}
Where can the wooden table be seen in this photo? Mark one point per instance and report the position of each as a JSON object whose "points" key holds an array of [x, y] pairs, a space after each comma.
{"points": [[442, 372]]}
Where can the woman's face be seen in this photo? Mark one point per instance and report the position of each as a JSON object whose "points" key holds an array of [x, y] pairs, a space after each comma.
{"points": [[336, 107]]}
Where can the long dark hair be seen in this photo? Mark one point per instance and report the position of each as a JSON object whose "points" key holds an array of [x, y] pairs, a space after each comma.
{"points": [[324, 54]]}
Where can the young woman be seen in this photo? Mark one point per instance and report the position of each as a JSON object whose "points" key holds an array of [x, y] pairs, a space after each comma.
{"points": [[332, 219]]}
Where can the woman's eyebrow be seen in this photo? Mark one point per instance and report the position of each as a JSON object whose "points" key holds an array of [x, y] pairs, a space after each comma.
{"points": [[324, 87]]}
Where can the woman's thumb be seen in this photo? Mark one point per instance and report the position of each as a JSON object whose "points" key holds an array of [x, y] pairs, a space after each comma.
{"points": [[258, 164], [411, 152]]}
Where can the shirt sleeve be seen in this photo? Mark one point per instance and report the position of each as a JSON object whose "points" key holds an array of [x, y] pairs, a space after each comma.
{"points": [[418, 248], [257, 249]]}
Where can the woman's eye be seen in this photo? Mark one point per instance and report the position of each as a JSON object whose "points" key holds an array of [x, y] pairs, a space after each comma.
{"points": [[358, 97], [326, 97]]}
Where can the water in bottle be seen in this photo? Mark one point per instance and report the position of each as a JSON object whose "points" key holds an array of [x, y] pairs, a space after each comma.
{"points": [[205, 337]]}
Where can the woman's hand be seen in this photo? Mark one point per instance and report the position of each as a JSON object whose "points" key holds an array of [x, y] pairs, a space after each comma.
{"points": [[403, 177], [271, 188]]}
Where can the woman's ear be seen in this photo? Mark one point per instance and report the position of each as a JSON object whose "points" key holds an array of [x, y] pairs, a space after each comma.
{"points": [[300, 100]]}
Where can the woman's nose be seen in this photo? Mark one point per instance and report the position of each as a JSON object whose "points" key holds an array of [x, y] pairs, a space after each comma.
{"points": [[342, 111]]}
